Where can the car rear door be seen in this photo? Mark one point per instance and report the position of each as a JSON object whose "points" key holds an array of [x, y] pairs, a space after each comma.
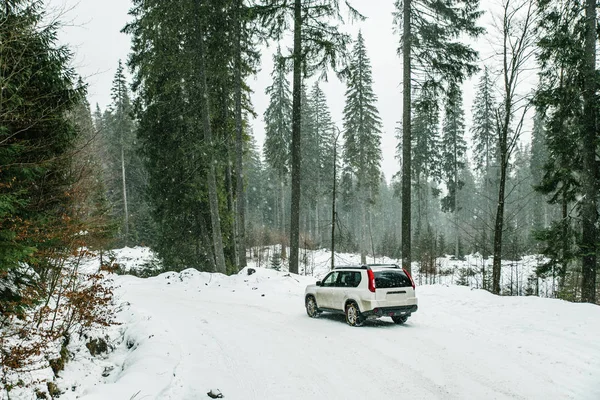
{"points": [[393, 288], [346, 284]]}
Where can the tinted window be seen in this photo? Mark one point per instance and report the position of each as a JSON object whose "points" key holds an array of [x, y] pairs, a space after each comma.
{"points": [[391, 278], [349, 279]]}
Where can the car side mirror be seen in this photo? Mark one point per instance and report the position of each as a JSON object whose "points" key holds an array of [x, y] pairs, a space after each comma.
{"points": [[319, 283]]}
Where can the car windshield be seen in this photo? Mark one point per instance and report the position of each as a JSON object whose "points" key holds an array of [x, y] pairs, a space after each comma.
{"points": [[391, 278]]}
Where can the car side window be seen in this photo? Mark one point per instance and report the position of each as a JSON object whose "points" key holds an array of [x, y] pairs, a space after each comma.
{"points": [[356, 278], [349, 279], [330, 280]]}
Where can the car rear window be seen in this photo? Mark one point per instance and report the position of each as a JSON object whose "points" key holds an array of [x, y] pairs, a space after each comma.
{"points": [[391, 278]]}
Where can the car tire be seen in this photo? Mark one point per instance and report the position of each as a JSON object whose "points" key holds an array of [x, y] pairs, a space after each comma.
{"points": [[311, 307], [400, 319], [353, 317]]}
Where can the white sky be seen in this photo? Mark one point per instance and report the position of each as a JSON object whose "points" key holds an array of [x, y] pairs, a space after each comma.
{"points": [[93, 32]]}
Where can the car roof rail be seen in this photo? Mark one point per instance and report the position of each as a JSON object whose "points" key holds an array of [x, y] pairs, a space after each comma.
{"points": [[351, 267], [384, 265]]}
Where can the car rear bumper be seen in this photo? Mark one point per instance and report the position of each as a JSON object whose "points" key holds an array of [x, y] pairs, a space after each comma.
{"points": [[390, 311]]}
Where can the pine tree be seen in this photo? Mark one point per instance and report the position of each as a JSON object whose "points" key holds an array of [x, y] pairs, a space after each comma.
{"points": [[484, 127], [37, 139], [567, 99], [171, 131], [430, 46], [309, 178], [591, 168], [324, 133], [120, 137], [278, 132], [485, 154], [362, 130], [539, 158], [425, 157], [454, 148]]}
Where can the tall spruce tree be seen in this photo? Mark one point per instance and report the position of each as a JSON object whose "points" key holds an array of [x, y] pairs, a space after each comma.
{"points": [[539, 157], [189, 105], [362, 135], [309, 177], [567, 97], [278, 132], [324, 133], [37, 141], [454, 148], [431, 32], [164, 60], [485, 155], [120, 136], [426, 162]]}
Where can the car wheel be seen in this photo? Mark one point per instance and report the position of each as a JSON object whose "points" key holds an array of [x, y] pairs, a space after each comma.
{"points": [[400, 319], [353, 317], [311, 307]]}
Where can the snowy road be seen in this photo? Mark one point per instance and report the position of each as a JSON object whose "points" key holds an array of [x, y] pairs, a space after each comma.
{"points": [[192, 332]]}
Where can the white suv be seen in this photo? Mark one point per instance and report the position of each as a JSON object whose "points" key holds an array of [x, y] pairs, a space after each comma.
{"points": [[364, 292]]}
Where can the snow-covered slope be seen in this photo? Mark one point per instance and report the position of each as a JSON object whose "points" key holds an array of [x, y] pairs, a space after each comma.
{"points": [[186, 333]]}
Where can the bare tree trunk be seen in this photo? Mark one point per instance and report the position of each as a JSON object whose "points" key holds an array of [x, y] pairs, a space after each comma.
{"points": [[231, 204], [205, 116], [283, 233], [456, 228], [589, 212], [333, 216], [239, 144], [518, 45], [406, 138], [317, 238], [125, 208], [371, 236], [296, 139], [499, 222], [363, 226]]}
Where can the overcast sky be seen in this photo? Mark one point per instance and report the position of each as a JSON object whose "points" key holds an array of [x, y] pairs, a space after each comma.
{"points": [[93, 32]]}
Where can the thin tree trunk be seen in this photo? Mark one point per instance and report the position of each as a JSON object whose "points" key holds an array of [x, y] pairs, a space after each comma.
{"points": [[333, 203], [363, 223], [283, 233], [239, 144], [205, 116], [456, 229], [317, 237], [371, 235], [125, 208], [296, 139], [589, 212], [231, 205], [499, 226], [406, 138], [565, 242]]}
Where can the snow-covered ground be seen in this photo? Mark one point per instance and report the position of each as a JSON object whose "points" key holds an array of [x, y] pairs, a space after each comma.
{"points": [[183, 334]]}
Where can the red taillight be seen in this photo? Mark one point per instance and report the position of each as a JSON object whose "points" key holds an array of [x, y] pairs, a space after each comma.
{"points": [[409, 277], [371, 276]]}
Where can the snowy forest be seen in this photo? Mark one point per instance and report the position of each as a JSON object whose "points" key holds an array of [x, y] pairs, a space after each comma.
{"points": [[184, 174], [173, 163]]}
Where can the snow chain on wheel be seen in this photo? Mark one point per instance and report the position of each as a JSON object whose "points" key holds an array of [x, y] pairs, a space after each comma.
{"points": [[353, 317], [311, 307]]}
